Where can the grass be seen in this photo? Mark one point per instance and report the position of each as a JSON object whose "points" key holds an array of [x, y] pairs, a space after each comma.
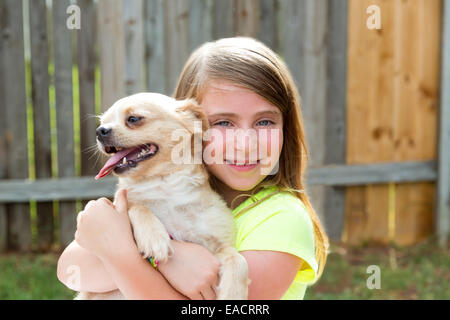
{"points": [[29, 277], [419, 272]]}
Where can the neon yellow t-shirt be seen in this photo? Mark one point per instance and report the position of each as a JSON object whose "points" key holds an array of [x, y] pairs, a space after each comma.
{"points": [[279, 223]]}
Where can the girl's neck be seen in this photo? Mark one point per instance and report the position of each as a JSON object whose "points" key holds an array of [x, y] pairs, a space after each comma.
{"points": [[228, 194]]}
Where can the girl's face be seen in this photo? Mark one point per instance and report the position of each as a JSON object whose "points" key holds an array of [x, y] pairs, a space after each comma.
{"points": [[246, 135]]}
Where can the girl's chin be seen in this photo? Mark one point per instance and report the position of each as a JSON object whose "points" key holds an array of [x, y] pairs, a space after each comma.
{"points": [[241, 184], [240, 181]]}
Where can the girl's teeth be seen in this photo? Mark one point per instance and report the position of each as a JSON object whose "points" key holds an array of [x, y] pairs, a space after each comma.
{"points": [[124, 160]]}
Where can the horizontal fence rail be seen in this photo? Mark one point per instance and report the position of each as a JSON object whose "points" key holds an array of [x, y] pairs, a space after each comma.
{"points": [[335, 175]]}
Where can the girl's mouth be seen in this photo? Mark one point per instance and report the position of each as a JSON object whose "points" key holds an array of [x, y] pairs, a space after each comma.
{"points": [[242, 166]]}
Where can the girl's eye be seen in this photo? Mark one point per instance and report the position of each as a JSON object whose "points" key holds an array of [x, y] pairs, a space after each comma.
{"points": [[133, 119], [265, 122], [223, 123]]}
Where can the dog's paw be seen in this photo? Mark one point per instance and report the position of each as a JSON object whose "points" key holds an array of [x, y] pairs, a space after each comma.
{"points": [[158, 247], [238, 291]]}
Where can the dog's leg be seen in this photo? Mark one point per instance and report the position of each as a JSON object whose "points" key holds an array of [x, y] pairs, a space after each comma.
{"points": [[233, 274], [150, 234]]}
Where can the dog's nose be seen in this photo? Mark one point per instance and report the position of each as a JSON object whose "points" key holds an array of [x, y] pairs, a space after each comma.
{"points": [[103, 132]]}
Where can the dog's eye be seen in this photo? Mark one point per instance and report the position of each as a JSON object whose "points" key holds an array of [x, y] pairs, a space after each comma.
{"points": [[133, 119]]}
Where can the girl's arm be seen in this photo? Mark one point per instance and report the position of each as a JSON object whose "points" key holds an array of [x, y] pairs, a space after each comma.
{"points": [[271, 273], [135, 276], [108, 249], [137, 279], [93, 275], [182, 270]]}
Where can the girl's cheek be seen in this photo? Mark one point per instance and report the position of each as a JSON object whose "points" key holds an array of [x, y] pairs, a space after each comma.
{"points": [[214, 148], [270, 145]]}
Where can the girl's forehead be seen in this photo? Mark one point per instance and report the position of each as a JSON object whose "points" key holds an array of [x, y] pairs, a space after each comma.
{"points": [[226, 97]]}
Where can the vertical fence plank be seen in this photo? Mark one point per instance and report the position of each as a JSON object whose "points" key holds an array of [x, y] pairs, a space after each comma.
{"points": [[86, 72], [41, 113], [302, 37], [246, 22], [367, 207], [154, 46], [223, 21], [3, 159], [291, 29], [111, 52], [335, 150], [268, 25], [200, 22], [64, 114], [134, 45], [177, 41], [12, 76], [442, 219], [417, 104], [314, 87]]}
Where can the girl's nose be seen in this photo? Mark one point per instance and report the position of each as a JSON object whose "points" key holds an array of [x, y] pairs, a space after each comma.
{"points": [[246, 142]]}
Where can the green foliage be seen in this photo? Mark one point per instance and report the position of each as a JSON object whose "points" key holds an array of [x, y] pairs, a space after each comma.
{"points": [[31, 277], [418, 272]]}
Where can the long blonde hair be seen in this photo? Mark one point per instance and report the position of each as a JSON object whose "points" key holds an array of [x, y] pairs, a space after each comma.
{"points": [[250, 64]]}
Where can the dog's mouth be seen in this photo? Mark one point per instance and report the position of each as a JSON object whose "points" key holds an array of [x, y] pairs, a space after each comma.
{"points": [[124, 159]]}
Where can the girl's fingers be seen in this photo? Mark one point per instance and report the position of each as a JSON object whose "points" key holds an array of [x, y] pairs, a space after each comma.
{"points": [[88, 205], [121, 201], [197, 296], [78, 217], [208, 293], [217, 282], [116, 195]]}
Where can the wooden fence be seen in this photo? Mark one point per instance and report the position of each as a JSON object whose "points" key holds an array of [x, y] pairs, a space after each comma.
{"points": [[371, 104]]}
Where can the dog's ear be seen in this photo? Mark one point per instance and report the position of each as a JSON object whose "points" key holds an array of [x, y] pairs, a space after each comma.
{"points": [[191, 111]]}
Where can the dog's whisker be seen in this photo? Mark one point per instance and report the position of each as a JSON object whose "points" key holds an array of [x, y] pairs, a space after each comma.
{"points": [[89, 148]]}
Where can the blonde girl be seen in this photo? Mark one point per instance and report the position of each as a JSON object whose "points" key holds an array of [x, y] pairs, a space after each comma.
{"points": [[241, 84]]}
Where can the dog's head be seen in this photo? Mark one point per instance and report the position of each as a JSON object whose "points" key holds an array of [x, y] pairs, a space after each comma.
{"points": [[137, 133]]}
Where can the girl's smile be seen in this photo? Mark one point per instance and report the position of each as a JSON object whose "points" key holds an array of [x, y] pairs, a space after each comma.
{"points": [[247, 166]]}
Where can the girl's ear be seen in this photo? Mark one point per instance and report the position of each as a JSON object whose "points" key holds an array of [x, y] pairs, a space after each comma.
{"points": [[191, 111]]}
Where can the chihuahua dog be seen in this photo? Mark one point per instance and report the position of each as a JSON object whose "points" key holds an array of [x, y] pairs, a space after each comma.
{"points": [[167, 198]]}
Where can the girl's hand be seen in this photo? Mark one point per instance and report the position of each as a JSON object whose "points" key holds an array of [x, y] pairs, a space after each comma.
{"points": [[192, 270], [104, 228]]}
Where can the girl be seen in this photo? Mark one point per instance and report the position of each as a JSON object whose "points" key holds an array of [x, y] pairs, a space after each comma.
{"points": [[241, 84]]}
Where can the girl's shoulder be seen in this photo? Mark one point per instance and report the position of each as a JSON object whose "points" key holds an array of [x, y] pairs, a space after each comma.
{"points": [[280, 222], [272, 201]]}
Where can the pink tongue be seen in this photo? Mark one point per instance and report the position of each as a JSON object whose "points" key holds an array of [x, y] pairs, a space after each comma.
{"points": [[111, 163]]}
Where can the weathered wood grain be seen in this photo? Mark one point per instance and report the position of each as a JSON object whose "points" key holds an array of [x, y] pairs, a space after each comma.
{"points": [[41, 114], [336, 113], [177, 44], [154, 46], [62, 53], [86, 71], [200, 22], [442, 218], [246, 18], [223, 22], [12, 73], [133, 20]]}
